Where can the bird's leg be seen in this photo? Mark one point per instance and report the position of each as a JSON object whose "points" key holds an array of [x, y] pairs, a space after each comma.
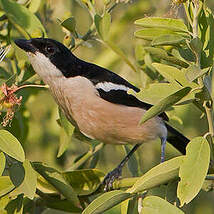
{"points": [[163, 146], [116, 173]]}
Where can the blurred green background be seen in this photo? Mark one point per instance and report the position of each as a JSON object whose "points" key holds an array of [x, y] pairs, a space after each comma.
{"points": [[42, 139]]}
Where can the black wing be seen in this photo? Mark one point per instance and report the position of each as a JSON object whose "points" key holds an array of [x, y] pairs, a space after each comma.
{"points": [[98, 74], [123, 98]]}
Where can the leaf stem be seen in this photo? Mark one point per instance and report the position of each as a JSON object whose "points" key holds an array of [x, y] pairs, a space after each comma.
{"points": [[208, 108]]}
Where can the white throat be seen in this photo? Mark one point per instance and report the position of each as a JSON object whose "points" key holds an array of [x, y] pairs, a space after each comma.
{"points": [[43, 67]]}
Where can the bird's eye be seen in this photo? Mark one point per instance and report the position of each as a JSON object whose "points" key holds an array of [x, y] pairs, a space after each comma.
{"points": [[50, 49]]}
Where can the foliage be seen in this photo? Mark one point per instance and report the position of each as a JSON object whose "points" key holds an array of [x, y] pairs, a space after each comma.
{"points": [[174, 69]]}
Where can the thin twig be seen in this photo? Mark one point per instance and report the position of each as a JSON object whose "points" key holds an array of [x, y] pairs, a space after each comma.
{"points": [[29, 86]]}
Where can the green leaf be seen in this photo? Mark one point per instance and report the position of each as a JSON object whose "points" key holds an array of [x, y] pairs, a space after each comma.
{"points": [[166, 23], [66, 134], [63, 205], [70, 24], [106, 201], [17, 173], [173, 74], [2, 162], [168, 39], [159, 174], [157, 91], [6, 185], [63, 142], [196, 45], [44, 186], [206, 22], [15, 206], [56, 180], [28, 186], [165, 103], [193, 170], [193, 72], [184, 53], [84, 158], [171, 192], [34, 5], [3, 203], [129, 206], [162, 54], [69, 128], [22, 18], [11, 146], [103, 25], [85, 181], [157, 205], [151, 33]]}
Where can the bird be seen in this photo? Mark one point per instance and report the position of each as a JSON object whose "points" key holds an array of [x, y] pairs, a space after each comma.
{"points": [[97, 101]]}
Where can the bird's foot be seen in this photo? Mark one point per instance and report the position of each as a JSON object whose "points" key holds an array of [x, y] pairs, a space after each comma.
{"points": [[111, 177]]}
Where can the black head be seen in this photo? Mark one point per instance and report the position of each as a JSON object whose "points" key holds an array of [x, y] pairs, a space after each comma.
{"points": [[55, 51]]}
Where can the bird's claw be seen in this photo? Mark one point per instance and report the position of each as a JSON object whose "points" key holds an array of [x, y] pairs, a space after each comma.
{"points": [[111, 177]]}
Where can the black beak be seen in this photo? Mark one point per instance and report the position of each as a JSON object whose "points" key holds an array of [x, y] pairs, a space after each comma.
{"points": [[26, 45]]}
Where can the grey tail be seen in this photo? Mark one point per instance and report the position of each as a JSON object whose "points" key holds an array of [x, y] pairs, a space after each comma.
{"points": [[175, 138]]}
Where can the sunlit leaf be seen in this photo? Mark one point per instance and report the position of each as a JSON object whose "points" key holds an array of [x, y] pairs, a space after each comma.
{"points": [[69, 24], [6, 185], [69, 128], [28, 186], [193, 170], [206, 29], [11, 146], [168, 39], [159, 174], [173, 74], [157, 91], [193, 72], [85, 181], [44, 186], [56, 180], [2, 162], [34, 5], [103, 25], [157, 205], [129, 206], [3, 203], [162, 54], [63, 142], [66, 134], [106, 201], [166, 23], [151, 33], [165, 103], [22, 18]]}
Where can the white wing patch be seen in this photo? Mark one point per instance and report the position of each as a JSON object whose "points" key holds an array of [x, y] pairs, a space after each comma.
{"points": [[108, 86]]}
